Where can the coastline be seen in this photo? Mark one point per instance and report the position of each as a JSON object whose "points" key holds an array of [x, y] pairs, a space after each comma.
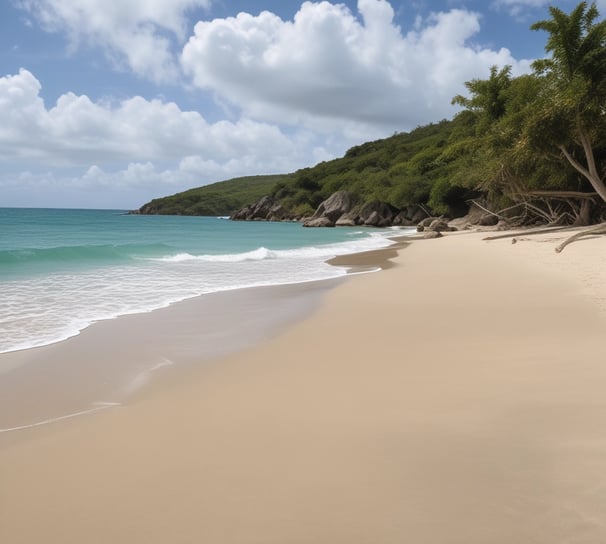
{"points": [[456, 397], [112, 361]]}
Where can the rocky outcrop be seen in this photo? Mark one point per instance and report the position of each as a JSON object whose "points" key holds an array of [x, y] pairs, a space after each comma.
{"points": [[339, 210], [266, 209], [378, 214], [332, 211], [334, 207]]}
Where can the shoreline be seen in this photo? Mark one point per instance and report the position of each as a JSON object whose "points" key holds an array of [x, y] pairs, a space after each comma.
{"points": [[113, 361], [110, 362], [455, 398]]}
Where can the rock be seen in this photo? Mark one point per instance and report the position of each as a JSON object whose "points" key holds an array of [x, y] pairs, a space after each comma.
{"points": [[242, 213], [262, 208], [334, 206], [439, 225], [432, 234], [488, 220], [427, 221], [460, 223], [318, 222], [402, 220], [378, 214], [278, 213], [266, 209], [345, 221], [418, 216], [420, 228]]}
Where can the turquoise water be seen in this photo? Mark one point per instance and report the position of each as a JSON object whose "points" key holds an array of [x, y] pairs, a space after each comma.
{"points": [[62, 270]]}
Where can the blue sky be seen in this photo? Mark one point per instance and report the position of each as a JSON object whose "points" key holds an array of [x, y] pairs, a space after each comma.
{"points": [[109, 103]]}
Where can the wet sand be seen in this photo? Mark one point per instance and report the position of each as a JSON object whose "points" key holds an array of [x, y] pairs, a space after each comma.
{"points": [[454, 398], [111, 361]]}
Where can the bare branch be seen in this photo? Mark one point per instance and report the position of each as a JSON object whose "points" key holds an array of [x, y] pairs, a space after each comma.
{"points": [[598, 229]]}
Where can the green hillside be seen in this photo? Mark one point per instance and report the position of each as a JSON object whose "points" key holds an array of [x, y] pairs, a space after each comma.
{"points": [[221, 198], [404, 169]]}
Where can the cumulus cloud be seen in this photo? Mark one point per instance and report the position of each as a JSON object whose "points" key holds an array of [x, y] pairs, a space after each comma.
{"points": [[78, 131], [135, 32], [148, 146], [328, 66]]}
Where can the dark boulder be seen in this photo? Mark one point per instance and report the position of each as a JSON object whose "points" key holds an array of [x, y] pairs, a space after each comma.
{"points": [[417, 216], [488, 220], [378, 214], [402, 220]]}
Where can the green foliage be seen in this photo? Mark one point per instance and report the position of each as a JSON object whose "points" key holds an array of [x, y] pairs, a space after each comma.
{"points": [[220, 198], [399, 170], [569, 113]]}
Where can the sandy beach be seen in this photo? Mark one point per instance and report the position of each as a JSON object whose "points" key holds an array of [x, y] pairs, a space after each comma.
{"points": [[456, 397]]}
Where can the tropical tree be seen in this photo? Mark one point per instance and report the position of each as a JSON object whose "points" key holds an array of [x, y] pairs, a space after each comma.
{"points": [[498, 161], [488, 96], [571, 112]]}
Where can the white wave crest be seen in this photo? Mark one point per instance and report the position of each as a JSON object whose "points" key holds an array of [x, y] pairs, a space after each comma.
{"points": [[374, 240], [259, 254]]}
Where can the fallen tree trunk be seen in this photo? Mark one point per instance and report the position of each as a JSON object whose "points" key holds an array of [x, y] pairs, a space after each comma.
{"points": [[598, 229]]}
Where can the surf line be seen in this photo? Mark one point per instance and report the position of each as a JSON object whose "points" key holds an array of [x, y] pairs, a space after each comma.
{"points": [[98, 407]]}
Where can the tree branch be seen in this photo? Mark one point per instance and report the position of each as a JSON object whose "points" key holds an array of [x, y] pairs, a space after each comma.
{"points": [[598, 229]]}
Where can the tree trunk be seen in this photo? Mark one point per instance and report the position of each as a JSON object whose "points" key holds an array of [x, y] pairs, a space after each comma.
{"points": [[584, 217], [591, 172]]}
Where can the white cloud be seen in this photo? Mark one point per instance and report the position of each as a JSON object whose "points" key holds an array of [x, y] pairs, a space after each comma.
{"points": [[521, 8], [77, 131], [132, 150], [135, 32], [521, 4], [328, 70]]}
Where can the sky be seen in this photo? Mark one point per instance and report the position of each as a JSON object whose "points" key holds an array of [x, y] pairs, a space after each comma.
{"points": [[110, 103]]}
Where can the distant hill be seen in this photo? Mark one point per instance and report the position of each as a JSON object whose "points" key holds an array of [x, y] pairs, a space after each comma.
{"points": [[216, 199], [403, 170]]}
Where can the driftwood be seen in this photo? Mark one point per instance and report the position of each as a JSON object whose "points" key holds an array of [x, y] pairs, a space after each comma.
{"points": [[558, 194], [598, 229], [527, 233], [555, 207]]}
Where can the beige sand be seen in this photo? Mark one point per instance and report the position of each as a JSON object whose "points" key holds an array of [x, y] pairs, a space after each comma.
{"points": [[459, 397]]}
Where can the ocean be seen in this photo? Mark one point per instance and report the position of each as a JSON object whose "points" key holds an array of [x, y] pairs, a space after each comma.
{"points": [[63, 270]]}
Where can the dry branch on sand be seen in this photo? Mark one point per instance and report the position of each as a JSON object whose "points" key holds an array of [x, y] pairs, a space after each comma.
{"points": [[598, 229]]}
